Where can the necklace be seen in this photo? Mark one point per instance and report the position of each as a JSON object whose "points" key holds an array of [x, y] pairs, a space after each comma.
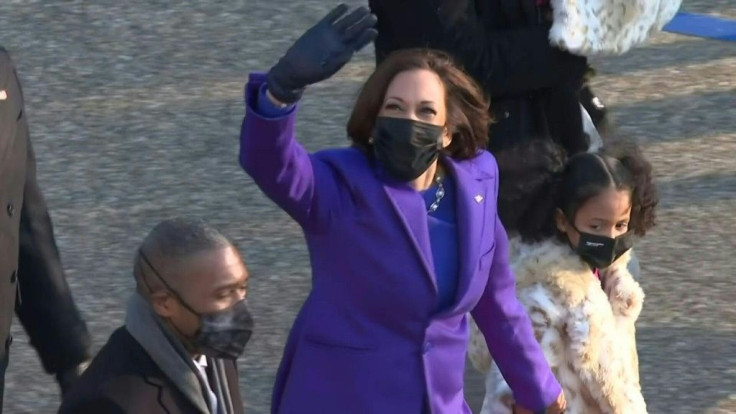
{"points": [[438, 195]]}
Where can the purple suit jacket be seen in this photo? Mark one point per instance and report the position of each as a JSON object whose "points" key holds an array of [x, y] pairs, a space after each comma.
{"points": [[368, 338]]}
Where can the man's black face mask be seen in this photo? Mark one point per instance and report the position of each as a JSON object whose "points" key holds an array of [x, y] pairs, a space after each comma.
{"points": [[221, 334]]}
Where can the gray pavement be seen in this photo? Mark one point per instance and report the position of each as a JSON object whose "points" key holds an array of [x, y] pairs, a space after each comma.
{"points": [[135, 109]]}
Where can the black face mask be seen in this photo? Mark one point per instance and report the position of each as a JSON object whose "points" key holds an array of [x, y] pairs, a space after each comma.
{"points": [[601, 251], [404, 147], [225, 333], [221, 334]]}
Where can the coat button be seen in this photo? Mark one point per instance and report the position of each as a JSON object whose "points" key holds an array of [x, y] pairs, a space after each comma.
{"points": [[11, 209], [13, 276], [506, 114]]}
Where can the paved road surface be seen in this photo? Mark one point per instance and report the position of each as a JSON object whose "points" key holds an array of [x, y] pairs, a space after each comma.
{"points": [[135, 108]]}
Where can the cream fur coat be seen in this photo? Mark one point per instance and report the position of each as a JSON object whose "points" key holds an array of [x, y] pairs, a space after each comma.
{"points": [[587, 332], [588, 27]]}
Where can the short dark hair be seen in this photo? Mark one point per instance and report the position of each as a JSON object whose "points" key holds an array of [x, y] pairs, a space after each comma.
{"points": [[171, 243], [532, 195], [467, 108]]}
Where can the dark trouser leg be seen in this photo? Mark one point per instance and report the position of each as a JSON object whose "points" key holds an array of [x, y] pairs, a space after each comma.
{"points": [[3, 366], [597, 111], [565, 121]]}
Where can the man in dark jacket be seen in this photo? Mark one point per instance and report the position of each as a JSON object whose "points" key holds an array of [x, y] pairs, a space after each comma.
{"points": [[185, 327], [32, 281], [503, 44]]}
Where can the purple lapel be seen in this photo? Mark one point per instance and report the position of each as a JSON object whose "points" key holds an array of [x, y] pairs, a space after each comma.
{"points": [[412, 213], [472, 200]]}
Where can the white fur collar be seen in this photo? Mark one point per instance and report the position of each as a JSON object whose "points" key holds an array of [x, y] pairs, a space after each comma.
{"points": [[588, 27], [556, 266]]}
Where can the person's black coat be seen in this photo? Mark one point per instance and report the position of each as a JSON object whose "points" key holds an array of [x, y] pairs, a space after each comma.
{"points": [[503, 44], [123, 379], [32, 281]]}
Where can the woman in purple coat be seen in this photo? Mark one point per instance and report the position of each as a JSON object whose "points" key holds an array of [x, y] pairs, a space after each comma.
{"points": [[402, 232]]}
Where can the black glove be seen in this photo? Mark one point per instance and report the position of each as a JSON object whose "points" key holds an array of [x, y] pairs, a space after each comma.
{"points": [[68, 377], [321, 52]]}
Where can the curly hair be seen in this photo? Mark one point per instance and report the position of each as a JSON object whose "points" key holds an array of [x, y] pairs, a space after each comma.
{"points": [[644, 195], [528, 178], [537, 180]]}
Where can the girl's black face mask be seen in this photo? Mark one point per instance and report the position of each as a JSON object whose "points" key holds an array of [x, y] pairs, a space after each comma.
{"points": [[406, 148], [601, 251]]}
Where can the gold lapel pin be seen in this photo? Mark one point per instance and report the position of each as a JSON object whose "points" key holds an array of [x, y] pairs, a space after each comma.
{"points": [[3, 95], [478, 198]]}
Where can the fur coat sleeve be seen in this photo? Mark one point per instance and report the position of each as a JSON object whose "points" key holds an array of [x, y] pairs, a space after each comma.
{"points": [[588, 27], [587, 332]]}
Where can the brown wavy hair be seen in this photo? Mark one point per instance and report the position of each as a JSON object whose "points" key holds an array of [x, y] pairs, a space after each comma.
{"points": [[468, 115]]}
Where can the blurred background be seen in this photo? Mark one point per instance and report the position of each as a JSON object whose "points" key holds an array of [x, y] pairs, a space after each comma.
{"points": [[135, 109]]}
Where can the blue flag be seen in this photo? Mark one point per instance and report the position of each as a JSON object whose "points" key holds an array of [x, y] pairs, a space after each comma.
{"points": [[700, 25]]}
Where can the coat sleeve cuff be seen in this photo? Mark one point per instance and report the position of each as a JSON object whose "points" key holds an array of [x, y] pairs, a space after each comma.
{"points": [[257, 101]]}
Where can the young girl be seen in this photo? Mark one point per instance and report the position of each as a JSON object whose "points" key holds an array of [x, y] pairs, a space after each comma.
{"points": [[576, 221]]}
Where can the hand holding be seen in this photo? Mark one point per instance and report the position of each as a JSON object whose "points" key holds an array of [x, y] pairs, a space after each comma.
{"points": [[557, 407], [321, 51]]}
